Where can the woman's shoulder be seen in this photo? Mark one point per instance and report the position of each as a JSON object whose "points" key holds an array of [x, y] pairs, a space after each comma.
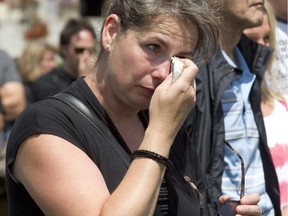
{"points": [[37, 111], [47, 116]]}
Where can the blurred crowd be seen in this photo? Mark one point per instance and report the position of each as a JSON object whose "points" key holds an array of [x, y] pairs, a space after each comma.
{"points": [[40, 71]]}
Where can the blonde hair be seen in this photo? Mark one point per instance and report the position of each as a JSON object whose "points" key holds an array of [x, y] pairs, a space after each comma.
{"points": [[268, 93], [30, 59]]}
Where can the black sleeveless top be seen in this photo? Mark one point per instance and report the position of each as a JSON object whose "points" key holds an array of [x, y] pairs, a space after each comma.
{"points": [[52, 117]]}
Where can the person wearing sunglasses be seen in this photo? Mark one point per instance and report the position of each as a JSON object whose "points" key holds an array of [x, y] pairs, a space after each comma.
{"points": [[228, 106], [77, 42]]}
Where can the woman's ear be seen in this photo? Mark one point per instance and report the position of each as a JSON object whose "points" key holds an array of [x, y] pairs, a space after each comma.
{"points": [[110, 29]]}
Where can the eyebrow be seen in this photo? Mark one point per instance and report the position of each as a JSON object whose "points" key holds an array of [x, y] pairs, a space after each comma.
{"points": [[163, 43]]}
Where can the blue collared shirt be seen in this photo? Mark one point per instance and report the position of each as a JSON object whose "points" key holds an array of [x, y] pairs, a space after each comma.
{"points": [[242, 133]]}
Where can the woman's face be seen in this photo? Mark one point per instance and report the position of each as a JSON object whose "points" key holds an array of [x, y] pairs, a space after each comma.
{"points": [[260, 34], [48, 61], [139, 60]]}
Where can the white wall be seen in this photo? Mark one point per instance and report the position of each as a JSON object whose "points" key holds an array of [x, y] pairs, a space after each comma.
{"points": [[12, 31]]}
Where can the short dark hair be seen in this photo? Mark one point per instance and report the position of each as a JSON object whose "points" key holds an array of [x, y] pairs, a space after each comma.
{"points": [[72, 27]]}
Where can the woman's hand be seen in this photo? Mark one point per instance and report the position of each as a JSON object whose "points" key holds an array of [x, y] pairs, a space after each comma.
{"points": [[172, 101]]}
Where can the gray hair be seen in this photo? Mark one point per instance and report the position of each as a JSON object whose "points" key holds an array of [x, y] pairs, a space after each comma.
{"points": [[141, 14]]}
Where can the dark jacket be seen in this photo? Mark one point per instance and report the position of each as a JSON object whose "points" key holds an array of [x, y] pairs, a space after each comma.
{"points": [[205, 123]]}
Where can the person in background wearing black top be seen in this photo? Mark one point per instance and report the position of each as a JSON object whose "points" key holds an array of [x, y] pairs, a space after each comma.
{"points": [[77, 42], [59, 164]]}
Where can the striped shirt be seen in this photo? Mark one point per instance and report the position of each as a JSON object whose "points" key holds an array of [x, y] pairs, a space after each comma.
{"points": [[241, 132]]}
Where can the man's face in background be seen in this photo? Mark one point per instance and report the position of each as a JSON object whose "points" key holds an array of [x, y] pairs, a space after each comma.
{"points": [[78, 56]]}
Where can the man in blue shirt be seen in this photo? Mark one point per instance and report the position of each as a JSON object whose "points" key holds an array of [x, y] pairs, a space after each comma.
{"points": [[228, 107]]}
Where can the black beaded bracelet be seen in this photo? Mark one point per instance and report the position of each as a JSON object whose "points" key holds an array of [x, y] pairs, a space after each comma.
{"points": [[152, 155]]}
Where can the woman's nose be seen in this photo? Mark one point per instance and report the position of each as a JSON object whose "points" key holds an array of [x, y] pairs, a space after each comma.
{"points": [[162, 70]]}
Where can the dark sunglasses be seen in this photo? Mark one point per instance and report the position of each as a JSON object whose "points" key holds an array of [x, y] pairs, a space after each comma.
{"points": [[229, 208], [80, 50]]}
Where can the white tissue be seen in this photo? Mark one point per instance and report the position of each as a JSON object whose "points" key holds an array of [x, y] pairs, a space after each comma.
{"points": [[176, 68]]}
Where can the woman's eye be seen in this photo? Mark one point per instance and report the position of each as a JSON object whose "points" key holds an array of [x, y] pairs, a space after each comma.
{"points": [[155, 48]]}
